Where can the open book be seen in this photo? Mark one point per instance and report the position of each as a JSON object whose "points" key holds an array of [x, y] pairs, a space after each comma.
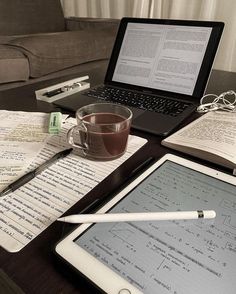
{"points": [[211, 137]]}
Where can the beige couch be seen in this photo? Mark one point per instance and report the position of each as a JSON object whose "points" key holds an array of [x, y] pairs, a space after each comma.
{"points": [[37, 42]]}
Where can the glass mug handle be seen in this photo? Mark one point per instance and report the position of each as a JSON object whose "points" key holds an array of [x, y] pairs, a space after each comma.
{"points": [[83, 141]]}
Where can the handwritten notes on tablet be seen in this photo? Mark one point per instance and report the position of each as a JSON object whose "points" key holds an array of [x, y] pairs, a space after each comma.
{"points": [[174, 257], [33, 207]]}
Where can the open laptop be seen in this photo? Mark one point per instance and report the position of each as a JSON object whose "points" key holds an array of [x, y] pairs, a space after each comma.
{"points": [[159, 68]]}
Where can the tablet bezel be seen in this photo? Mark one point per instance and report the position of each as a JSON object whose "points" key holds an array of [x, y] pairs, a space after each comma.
{"points": [[98, 273]]}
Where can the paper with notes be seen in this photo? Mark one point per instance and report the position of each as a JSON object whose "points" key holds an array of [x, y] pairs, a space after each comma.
{"points": [[175, 257], [25, 213], [22, 136]]}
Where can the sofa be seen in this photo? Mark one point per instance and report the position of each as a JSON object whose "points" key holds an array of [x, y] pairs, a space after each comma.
{"points": [[37, 42]]}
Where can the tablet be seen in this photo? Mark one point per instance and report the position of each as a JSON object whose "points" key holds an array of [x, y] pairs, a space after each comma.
{"points": [[174, 256]]}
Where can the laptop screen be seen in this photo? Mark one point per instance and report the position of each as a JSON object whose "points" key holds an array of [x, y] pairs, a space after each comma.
{"points": [[162, 56], [165, 55]]}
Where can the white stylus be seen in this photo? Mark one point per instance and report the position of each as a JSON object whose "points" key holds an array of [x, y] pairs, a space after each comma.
{"points": [[137, 216]]}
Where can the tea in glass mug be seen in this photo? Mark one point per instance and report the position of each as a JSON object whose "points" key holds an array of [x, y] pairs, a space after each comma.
{"points": [[102, 130]]}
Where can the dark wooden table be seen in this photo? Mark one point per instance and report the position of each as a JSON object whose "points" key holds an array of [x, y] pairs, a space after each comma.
{"points": [[35, 269]]}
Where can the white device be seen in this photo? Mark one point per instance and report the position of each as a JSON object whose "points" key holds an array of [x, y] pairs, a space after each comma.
{"points": [[136, 216], [226, 101], [61, 90], [176, 256]]}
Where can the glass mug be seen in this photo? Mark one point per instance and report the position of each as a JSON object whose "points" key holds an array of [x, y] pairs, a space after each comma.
{"points": [[102, 130]]}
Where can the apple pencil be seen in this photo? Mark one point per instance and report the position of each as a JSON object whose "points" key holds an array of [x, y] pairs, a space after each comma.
{"points": [[138, 216]]}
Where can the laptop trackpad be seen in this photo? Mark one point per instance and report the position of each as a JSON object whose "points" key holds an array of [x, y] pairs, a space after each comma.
{"points": [[155, 123], [136, 112]]}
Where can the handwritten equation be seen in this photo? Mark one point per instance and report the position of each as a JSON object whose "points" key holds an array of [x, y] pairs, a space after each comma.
{"points": [[172, 256]]}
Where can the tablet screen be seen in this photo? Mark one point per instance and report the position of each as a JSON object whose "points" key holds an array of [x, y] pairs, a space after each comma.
{"points": [[192, 256]]}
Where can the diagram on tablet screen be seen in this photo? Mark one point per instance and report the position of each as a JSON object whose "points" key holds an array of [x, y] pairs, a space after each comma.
{"points": [[173, 253]]}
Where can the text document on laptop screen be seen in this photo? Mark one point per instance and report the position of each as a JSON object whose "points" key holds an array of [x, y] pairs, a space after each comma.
{"points": [[163, 57]]}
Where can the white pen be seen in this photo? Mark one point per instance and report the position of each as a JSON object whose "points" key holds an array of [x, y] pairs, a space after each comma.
{"points": [[137, 216]]}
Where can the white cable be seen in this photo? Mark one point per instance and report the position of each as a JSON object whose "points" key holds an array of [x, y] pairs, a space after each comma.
{"points": [[221, 102]]}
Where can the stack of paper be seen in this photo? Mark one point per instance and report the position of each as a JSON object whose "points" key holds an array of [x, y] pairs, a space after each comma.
{"points": [[33, 207]]}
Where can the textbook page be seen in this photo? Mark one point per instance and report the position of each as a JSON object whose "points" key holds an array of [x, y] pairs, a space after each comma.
{"points": [[28, 211], [211, 137]]}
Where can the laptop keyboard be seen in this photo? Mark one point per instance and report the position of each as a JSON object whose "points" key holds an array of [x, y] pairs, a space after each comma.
{"points": [[139, 100]]}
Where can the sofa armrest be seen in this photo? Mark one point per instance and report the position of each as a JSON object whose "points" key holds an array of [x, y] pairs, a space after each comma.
{"points": [[82, 23]]}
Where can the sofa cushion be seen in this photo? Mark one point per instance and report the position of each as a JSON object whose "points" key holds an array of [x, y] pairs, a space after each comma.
{"points": [[14, 65], [55, 51], [85, 23], [6, 39], [19, 17]]}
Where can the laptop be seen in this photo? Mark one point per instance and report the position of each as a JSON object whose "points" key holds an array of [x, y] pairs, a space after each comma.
{"points": [[159, 68]]}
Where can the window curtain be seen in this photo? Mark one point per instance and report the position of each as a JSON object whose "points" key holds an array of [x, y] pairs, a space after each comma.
{"points": [[218, 10], [106, 8]]}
